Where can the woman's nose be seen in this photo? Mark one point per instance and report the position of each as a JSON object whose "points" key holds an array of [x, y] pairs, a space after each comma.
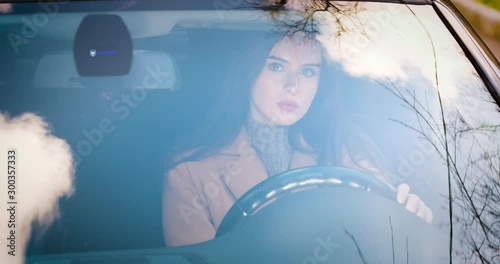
{"points": [[291, 83]]}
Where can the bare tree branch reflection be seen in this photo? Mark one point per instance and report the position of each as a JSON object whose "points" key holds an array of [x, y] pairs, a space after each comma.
{"points": [[477, 189], [303, 19], [360, 253]]}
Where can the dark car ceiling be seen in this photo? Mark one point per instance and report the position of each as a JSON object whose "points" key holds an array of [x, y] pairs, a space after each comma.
{"points": [[126, 5]]}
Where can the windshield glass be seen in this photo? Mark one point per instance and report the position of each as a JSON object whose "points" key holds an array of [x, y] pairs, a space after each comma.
{"points": [[140, 127]]}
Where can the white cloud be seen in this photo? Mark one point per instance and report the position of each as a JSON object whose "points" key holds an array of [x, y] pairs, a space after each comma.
{"points": [[384, 41], [44, 173]]}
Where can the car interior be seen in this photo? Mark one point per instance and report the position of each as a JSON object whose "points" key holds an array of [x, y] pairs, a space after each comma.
{"points": [[121, 122]]}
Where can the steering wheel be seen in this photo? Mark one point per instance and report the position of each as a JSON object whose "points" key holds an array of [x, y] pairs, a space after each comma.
{"points": [[302, 178]]}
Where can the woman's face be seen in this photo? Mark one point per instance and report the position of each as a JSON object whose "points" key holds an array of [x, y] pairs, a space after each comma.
{"points": [[287, 84]]}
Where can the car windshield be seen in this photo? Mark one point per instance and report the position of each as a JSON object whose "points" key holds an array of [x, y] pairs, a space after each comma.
{"points": [[138, 126]]}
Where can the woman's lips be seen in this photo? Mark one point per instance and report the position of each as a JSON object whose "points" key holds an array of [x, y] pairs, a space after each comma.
{"points": [[288, 106]]}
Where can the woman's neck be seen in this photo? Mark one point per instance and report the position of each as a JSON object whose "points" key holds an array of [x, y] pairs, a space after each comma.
{"points": [[272, 145]]}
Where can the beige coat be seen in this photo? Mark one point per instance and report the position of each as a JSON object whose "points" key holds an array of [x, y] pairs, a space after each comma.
{"points": [[197, 195]]}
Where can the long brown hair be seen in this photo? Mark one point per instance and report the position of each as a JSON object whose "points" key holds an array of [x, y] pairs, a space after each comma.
{"points": [[324, 131]]}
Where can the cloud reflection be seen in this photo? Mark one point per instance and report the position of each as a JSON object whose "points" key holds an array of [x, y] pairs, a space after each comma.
{"points": [[44, 173], [387, 41]]}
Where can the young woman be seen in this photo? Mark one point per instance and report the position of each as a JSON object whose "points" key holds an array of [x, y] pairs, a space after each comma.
{"points": [[275, 114]]}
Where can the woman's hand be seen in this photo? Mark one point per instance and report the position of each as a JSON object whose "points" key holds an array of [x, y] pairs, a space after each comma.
{"points": [[413, 203]]}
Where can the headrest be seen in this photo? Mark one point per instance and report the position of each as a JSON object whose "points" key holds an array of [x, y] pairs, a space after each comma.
{"points": [[102, 46]]}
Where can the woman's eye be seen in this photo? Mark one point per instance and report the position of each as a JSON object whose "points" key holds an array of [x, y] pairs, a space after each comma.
{"points": [[275, 66], [308, 72]]}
